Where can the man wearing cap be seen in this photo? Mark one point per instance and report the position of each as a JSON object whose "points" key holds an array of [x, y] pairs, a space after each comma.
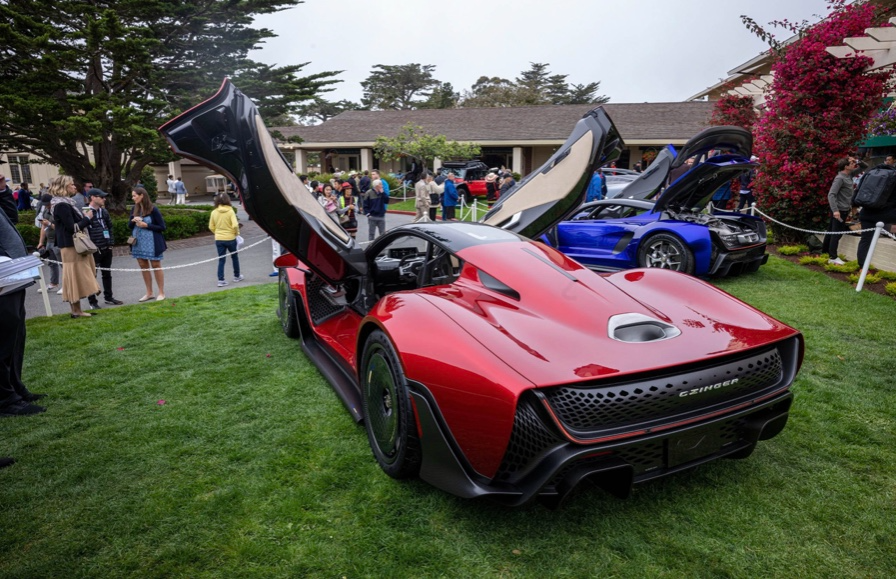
{"points": [[100, 230]]}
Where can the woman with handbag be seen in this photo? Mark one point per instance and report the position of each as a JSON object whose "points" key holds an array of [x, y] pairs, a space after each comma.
{"points": [[79, 269], [224, 225], [147, 226]]}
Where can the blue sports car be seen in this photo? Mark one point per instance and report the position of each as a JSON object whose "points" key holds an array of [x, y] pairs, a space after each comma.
{"points": [[648, 225]]}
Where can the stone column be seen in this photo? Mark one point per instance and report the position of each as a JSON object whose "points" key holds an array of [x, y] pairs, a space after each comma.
{"points": [[301, 161], [366, 159], [517, 165]]}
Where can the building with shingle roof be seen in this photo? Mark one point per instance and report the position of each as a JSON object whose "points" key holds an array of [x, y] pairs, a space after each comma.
{"points": [[520, 138]]}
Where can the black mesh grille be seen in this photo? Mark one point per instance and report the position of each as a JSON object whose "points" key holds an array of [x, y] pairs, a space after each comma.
{"points": [[644, 457], [319, 308], [528, 438], [592, 409]]}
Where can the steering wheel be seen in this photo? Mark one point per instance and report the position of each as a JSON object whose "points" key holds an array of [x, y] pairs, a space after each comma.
{"points": [[409, 267]]}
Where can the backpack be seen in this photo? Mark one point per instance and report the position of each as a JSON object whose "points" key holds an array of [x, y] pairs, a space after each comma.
{"points": [[876, 188]]}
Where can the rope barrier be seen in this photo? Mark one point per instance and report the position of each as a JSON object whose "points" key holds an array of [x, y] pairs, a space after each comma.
{"points": [[772, 219], [244, 248]]}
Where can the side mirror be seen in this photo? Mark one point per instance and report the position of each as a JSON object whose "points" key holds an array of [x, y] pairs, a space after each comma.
{"points": [[286, 260]]}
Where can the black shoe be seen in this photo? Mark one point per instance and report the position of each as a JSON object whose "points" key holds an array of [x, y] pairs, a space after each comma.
{"points": [[6, 461], [114, 302], [32, 397], [21, 408], [95, 306]]}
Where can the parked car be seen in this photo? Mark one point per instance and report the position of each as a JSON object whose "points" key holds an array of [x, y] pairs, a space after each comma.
{"points": [[617, 180], [676, 231], [469, 176], [491, 365]]}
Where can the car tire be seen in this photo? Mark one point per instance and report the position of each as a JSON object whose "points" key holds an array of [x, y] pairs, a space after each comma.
{"points": [[465, 193], [286, 310], [388, 418], [665, 251]]}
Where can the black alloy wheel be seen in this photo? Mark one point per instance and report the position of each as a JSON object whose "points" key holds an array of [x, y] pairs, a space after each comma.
{"points": [[666, 251], [286, 311], [388, 418]]}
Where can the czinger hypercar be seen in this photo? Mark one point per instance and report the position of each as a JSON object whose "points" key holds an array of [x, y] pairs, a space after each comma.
{"points": [[489, 364]]}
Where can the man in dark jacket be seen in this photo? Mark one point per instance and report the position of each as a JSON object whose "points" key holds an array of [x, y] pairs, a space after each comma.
{"points": [[375, 209], [15, 398], [100, 230], [869, 218]]}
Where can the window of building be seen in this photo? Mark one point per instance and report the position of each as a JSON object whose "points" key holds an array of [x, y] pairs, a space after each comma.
{"points": [[19, 169]]}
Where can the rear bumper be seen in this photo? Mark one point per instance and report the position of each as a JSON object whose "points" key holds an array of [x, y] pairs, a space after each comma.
{"points": [[613, 466], [738, 262]]}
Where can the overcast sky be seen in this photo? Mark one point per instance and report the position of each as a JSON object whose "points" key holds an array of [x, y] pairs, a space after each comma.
{"points": [[644, 51]]}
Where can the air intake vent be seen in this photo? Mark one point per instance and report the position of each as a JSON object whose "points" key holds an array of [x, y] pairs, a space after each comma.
{"points": [[634, 328]]}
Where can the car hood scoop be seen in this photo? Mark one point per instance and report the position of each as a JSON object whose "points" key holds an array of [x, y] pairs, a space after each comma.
{"points": [[636, 328]]}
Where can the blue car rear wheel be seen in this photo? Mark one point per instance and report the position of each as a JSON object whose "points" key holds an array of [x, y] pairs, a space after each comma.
{"points": [[665, 251]]}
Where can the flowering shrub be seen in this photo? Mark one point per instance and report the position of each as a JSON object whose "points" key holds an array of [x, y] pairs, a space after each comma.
{"points": [[818, 112], [734, 109], [883, 123]]}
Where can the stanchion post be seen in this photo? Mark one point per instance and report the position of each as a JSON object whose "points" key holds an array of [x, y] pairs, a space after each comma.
{"points": [[878, 227], [753, 209], [43, 287]]}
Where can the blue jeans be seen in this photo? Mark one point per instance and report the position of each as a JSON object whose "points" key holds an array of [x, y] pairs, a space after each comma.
{"points": [[223, 248]]}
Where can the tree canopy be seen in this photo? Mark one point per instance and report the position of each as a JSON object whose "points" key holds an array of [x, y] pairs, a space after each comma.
{"points": [[400, 86], [535, 86], [414, 86], [320, 110], [414, 142], [85, 84]]}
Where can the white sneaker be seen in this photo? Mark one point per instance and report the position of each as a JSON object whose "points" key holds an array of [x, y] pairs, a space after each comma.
{"points": [[836, 261], [236, 279], [221, 283], [60, 291]]}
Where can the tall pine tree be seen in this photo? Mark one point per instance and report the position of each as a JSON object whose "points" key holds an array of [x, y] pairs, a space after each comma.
{"points": [[84, 85]]}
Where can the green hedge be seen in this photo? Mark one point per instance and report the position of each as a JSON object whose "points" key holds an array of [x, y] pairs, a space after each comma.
{"points": [[181, 223]]}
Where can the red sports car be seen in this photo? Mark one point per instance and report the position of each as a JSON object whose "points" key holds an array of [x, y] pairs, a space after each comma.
{"points": [[489, 364]]}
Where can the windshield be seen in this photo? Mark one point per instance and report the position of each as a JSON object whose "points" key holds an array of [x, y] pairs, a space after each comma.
{"points": [[458, 173]]}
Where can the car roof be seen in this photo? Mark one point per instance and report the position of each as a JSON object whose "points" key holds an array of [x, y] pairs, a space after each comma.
{"points": [[455, 236]]}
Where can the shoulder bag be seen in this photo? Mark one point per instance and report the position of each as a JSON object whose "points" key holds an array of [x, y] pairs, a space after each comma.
{"points": [[82, 242]]}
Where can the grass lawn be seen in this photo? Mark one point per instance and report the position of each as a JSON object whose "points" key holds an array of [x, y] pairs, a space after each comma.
{"points": [[252, 468]]}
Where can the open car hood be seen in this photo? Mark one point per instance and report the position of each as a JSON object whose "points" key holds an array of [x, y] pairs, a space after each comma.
{"points": [[694, 189], [226, 134], [735, 141], [555, 190]]}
